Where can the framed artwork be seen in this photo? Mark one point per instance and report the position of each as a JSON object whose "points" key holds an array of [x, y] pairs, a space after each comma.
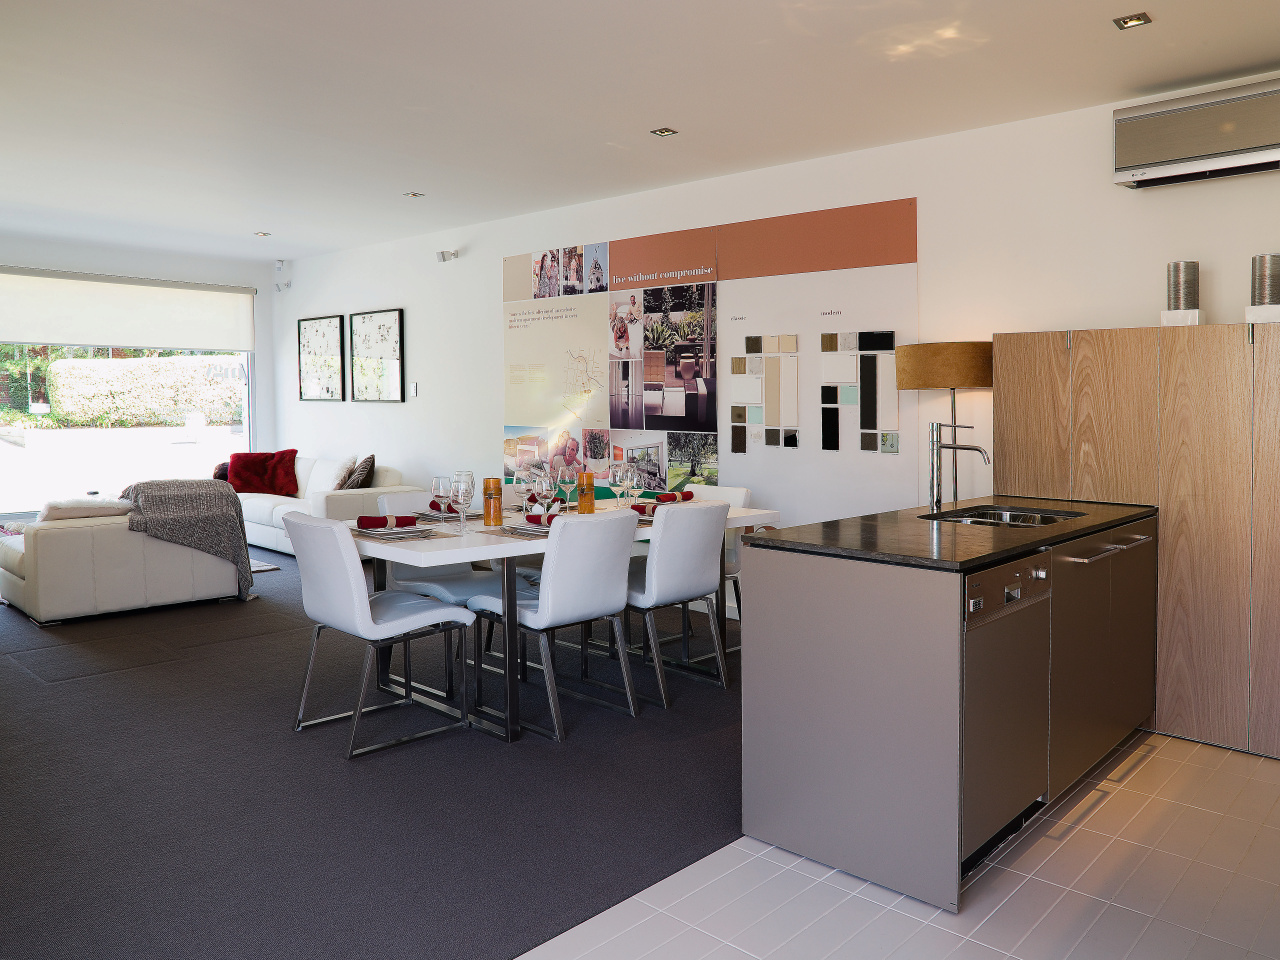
{"points": [[377, 356], [322, 373]]}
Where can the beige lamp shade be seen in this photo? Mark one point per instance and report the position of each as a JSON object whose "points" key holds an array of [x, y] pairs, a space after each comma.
{"points": [[944, 366]]}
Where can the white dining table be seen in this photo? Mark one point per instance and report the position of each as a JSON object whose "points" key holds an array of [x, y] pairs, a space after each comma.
{"points": [[477, 545]]}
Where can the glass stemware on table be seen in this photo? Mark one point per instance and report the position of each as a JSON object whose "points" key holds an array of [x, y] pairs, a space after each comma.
{"points": [[618, 481], [461, 491], [544, 491], [441, 491]]}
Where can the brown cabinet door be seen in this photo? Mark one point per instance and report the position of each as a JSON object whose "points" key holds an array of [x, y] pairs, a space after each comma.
{"points": [[1115, 415], [1264, 697], [1032, 414], [1206, 492]]}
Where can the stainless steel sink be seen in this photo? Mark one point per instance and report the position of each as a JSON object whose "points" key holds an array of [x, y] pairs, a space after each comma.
{"points": [[999, 515]]}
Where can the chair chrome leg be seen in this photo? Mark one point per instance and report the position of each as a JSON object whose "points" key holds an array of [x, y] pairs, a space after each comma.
{"points": [[651, 628], [364, 685], [717, 641], [524, 659], [306, 680], [625, 662], [408, 671], [684, 632], [448, 664], [549, 674], [737, 597], [488, 640]]}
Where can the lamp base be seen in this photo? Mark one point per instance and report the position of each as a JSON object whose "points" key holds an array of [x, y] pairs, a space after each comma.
{"points": [[1179, 318], [1267, 313]]}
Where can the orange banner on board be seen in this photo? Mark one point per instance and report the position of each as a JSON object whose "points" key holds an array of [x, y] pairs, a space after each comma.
{"points": [[868, 235], [663, 259]]}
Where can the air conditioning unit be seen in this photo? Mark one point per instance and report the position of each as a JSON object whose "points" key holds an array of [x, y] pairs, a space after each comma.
{"points": [[1219, 134]]}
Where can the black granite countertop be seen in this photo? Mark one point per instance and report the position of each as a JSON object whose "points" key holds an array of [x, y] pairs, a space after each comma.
{"points": [[901, 537]]}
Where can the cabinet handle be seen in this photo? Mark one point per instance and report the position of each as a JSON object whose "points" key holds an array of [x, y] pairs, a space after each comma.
{"points": [[1131, 544], [1106, 552]]}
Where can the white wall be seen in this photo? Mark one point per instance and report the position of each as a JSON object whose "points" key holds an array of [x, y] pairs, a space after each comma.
{"points": [[45, 254], [1020, 228]]}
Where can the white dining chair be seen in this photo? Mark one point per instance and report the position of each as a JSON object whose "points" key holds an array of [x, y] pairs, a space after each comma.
{"points": [[450, 582], [584, 578], [736, 497], [682, 566], [335, 595]]}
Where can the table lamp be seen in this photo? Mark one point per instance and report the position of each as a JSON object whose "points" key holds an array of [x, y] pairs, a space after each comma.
{"points": [[964, 365]]}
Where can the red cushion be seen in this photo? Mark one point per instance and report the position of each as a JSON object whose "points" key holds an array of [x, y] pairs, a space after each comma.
{"points": [[264, 473]]}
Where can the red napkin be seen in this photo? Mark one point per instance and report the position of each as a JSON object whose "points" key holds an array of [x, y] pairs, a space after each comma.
{"points": [[447, 508], [381, 523], [531, 500], [645, 509], [541, 519], [680, 497]]}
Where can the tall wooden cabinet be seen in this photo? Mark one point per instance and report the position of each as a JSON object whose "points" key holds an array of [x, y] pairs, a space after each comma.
{"points": [[1167, 416], [1206, 492], [1264, 705], [1032, 376], [1115, 415]]}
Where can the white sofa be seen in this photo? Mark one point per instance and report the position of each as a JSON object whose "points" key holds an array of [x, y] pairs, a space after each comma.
{"points": [[59, 569], [263, 525]]}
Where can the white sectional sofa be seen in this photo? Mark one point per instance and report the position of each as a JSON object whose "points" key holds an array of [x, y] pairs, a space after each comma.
{"points": [[263, 525], [58, 569]]}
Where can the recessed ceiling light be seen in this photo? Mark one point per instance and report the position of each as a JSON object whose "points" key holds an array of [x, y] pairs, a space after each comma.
{"points": [[1133, 20], [664, 132], [413, 193], [262, 233]]}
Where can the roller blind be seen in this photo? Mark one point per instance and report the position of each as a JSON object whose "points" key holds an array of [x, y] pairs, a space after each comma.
{"points": [[46, 306]]}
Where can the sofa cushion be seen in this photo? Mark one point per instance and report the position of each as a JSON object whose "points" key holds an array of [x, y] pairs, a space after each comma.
{"points": [[259, 507], [302, 467], [264, 473], [13, 555], [326, 474], [292, 506], [360, 477], [82, 508]]}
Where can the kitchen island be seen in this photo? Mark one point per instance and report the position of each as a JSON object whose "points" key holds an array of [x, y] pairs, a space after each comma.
{"points": [[915, 684]]}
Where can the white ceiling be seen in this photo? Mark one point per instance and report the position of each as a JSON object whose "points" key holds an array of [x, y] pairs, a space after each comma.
{"points": [[193, 123]]}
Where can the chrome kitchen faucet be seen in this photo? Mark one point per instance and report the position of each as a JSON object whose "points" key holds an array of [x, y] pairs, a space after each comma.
{"points": [[936, 446]]}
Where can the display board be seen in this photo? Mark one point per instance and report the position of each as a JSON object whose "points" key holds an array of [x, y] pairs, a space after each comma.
{"points": [[731, 354]]}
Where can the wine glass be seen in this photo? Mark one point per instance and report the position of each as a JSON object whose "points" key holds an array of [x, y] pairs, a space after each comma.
{"points": [[460, 493], [636, 484], [440, 492], [617, 479], [565, 483], [544, 491], [523, 481]]}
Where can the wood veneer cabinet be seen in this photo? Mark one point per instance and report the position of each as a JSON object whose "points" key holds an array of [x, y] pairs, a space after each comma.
{"points": [[1167, 416], [1032, 399], [1115, 419], [1264, 707], [1206, 492]]}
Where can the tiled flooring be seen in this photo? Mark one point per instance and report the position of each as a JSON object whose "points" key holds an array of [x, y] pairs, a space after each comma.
{"points": [[1168, 850]]}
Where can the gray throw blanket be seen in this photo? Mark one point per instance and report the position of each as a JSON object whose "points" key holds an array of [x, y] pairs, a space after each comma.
{"points": [[204, 515]]}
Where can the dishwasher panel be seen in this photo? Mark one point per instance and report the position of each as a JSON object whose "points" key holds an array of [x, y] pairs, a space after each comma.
{"points": [[1005, 760]]}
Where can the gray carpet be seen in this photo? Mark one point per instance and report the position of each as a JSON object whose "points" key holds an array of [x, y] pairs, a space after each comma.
{"points": [[156, 803]]}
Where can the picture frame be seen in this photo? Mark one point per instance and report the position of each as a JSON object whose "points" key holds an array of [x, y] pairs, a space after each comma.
{"points": [[322, 359], [377, 356]]}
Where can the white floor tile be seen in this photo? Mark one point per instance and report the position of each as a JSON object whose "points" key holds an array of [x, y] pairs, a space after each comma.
{"points": [[722, 891], [879, 938], [774, 929], [752, 845], [813, 868], [784, 857], [645, 937], [679, 885], [844, 881], [829, 931], [728, 952], [590, 934], [731, 919], [693, 944]]}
